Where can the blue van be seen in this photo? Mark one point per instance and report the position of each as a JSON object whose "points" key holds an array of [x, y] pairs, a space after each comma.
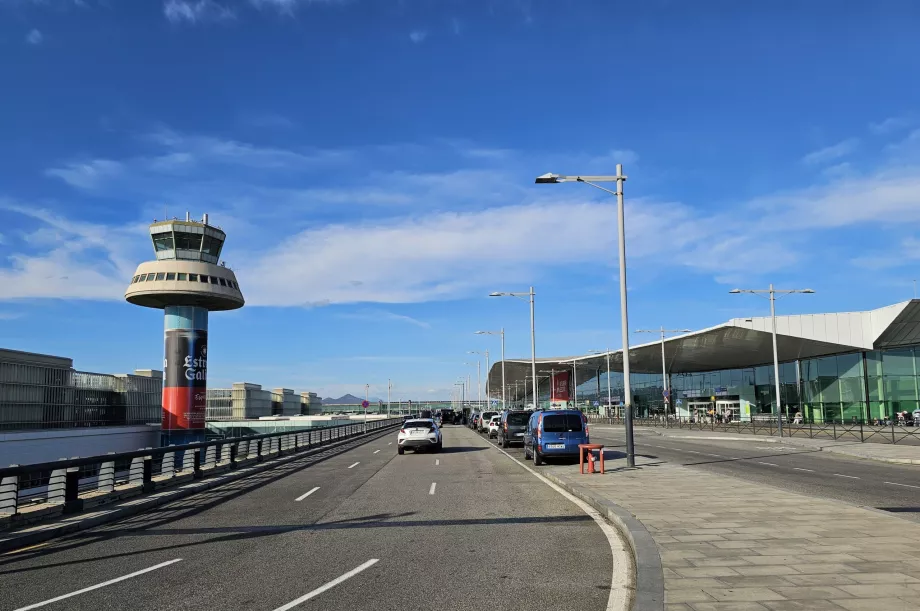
{"points": [[553, 433]]}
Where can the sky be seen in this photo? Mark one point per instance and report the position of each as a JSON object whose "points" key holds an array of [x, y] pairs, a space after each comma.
{"points": [[373, 164]]}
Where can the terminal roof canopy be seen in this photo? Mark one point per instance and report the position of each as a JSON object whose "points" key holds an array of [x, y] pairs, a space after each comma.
{"points": [[746, 342]]}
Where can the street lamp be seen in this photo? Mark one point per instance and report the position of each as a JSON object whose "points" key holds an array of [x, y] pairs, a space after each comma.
{"points": [[533, 343], [609, 396], [366, 389], [664, 364], [772, 292], [478, 374], [621, 218], [502, 333], [389, 388]]}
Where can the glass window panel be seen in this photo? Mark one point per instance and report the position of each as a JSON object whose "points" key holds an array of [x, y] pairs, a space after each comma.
{"points": [[876, 388], [853, 411], [170, 276], [162, 241], [763, 375], [900, 388], [193, 277], [188, 241], [832, 412], [809, 369], [134, 280], [851, 389], [161, 276], [202, 278], [849, 365], [222, 282], [827, 367], [874, 363], [182, 277], [213, 279], [898, 363], [150, 277]]}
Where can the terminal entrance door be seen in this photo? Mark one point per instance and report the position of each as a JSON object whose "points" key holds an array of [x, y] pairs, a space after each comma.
{"points": [[730, 410], [699, 410]]}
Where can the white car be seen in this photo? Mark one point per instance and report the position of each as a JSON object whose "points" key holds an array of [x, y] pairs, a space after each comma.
{"points": [[494, 423], [417, 434]]}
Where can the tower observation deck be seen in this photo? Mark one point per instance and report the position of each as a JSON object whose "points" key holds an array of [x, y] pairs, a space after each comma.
{"points": [[187, 280]]}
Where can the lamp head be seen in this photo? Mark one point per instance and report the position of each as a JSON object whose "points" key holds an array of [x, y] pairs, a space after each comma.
{"points": [[547, 179], [808, 291], [495, 294], [735, 291]]}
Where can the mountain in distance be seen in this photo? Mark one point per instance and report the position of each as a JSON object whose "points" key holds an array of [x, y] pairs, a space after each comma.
{"points": [[349, 400]]}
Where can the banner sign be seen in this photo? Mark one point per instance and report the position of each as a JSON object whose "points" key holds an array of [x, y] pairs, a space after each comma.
{"points": [[560, 386], [185, 385]]}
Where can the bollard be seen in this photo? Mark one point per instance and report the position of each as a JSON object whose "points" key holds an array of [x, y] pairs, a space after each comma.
{"points": [[233, 449], [196, 464], [147, 481], [72, 501]]}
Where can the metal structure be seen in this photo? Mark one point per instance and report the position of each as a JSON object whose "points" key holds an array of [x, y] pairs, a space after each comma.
{"points": [[187, 280], [664, 362], [619, 179], [504, 390], [533, 341]]}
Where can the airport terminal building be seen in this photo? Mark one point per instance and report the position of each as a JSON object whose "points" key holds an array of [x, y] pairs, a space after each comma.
{"points": [[837, 367]]}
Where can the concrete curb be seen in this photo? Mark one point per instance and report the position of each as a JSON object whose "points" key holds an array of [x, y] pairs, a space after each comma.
{"points": [[11, 541], [649, 594]]}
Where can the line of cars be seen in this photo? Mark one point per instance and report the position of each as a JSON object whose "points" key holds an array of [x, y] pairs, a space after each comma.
{"points": [[553, 433], [423, 432]]}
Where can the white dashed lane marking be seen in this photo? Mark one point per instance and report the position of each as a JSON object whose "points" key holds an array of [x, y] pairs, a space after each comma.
{"points": [[354, 465]]}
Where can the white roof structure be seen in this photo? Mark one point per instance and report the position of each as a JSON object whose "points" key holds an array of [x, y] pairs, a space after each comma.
{"points": [[747, 342]]}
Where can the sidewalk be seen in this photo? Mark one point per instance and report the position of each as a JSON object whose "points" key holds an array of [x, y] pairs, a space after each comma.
{"points": [[726, 544], [899, 454]]}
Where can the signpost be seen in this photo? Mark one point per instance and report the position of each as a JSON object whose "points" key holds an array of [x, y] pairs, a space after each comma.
{"points": [[365, 405]]}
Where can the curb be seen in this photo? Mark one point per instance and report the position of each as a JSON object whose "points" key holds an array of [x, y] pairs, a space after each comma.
{"points": [[43, 532], [649, 594]]}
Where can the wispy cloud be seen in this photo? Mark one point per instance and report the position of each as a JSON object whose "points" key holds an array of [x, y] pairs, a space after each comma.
{"points": [[288, 7], [34, 37], [455, 26], [11, 315], [906, 252], [373, 315], [891, 124], [195, 11], [830, 153], [86, 174], [418, 36]]}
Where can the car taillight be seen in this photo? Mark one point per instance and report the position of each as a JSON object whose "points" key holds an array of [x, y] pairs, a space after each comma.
{"points": [[402, 431]]}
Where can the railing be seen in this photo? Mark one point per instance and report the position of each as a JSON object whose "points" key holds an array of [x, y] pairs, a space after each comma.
{"points": [[838, 431], [31, 492]]}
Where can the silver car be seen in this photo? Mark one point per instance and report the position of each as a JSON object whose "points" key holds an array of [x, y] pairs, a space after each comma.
{"points": [[419, 434]]}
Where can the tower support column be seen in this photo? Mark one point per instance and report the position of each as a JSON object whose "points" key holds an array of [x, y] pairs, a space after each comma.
{"points": [[185, 379]]}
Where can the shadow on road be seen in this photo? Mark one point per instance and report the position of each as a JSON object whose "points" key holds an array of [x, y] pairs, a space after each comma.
{"points": [[460, 449]]}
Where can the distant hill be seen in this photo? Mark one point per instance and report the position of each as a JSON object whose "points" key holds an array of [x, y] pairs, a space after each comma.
{"points": [[348, 400]]}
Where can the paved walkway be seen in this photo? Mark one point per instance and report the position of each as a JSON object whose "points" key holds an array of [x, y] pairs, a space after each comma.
{"points": [[899, 454], [726, 544]]}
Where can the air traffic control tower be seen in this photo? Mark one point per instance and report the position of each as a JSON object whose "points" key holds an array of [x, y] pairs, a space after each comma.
{"points": [[187, 280]]}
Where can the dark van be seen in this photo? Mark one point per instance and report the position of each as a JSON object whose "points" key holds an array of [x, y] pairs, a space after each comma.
{"points": [[512, 427], [554, 433]]}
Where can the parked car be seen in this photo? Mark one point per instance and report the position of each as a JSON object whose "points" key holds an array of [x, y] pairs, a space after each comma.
{"points": [[494, 422], [474, 420], [448, 416], [512, 427], [554, 433], [419, 434], [483, 425]]}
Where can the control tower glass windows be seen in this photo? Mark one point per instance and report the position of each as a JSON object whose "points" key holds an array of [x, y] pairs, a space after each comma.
{"points": [[163, 241], [188, 241], [211, 245], [193, 277]]}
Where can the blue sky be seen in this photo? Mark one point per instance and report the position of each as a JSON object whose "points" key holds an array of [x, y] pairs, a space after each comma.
{"points": [[372, 162]]}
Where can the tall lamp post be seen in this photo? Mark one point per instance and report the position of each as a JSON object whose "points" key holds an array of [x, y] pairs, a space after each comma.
{"points": [[533, 343], [502, 333], [366, 389], [772, 292], [609, 395], [478, 364], [479, 375], [619, 179], [389, 388], [665, 387]]}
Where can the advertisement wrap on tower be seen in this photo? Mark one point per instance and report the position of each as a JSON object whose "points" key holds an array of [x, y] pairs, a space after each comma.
{"points": [[186, 379], [560, 386]]}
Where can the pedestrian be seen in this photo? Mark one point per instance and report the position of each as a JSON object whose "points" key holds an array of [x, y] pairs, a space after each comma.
{"points": [[798, 417]]}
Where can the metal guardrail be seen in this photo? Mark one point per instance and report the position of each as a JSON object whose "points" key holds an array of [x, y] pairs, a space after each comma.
{"points": [[858, 431], [67, 485]]}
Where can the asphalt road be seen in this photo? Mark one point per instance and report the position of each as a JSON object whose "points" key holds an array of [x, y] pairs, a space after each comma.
{"points": [[888, 487], [462, 529]]}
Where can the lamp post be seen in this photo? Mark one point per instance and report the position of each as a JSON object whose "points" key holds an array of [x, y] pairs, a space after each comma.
{"points": [[469, 384], [664, 363], [366, 389], [502, 333], [479, 375], [575, 383], [533, 343], [772, 292], [609, 395], [389, 388], [619, 179]]}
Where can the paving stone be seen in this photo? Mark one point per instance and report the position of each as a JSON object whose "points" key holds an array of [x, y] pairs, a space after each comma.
{"points": [[877, 590], [802, 605], [729, 606], [822, 579], [811, 592], [877, 604], [744, 594], [882, 578], [687, 596], [708, 571]]}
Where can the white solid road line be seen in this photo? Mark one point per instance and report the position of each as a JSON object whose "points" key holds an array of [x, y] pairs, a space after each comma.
{"points": [[306, 494], [769, 464], [100, 585], [905, 485], [433, 486], [716, 455], [329, 585], [847, 476], [693, 451], [437, 461], [375, 451], [801, 469], [618, 597]]}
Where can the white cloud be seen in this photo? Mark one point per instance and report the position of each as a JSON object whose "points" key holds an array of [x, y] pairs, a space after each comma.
{"points": [[831, 153], [906, 252], [195, 11], [372, 315], [418, 36], [11, 315], [889, 125], [87, 174], [34, 37], [287, 7]]}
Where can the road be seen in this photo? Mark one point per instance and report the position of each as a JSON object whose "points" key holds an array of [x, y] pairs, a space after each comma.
{"points": [[888, 487], [358, 528]]}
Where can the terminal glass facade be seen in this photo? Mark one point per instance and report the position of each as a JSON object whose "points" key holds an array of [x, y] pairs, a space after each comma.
{"points": [[849, 387]]}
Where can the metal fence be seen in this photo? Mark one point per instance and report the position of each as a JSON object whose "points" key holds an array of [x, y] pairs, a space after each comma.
{"points": [[859, 431], [68, 485]]}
